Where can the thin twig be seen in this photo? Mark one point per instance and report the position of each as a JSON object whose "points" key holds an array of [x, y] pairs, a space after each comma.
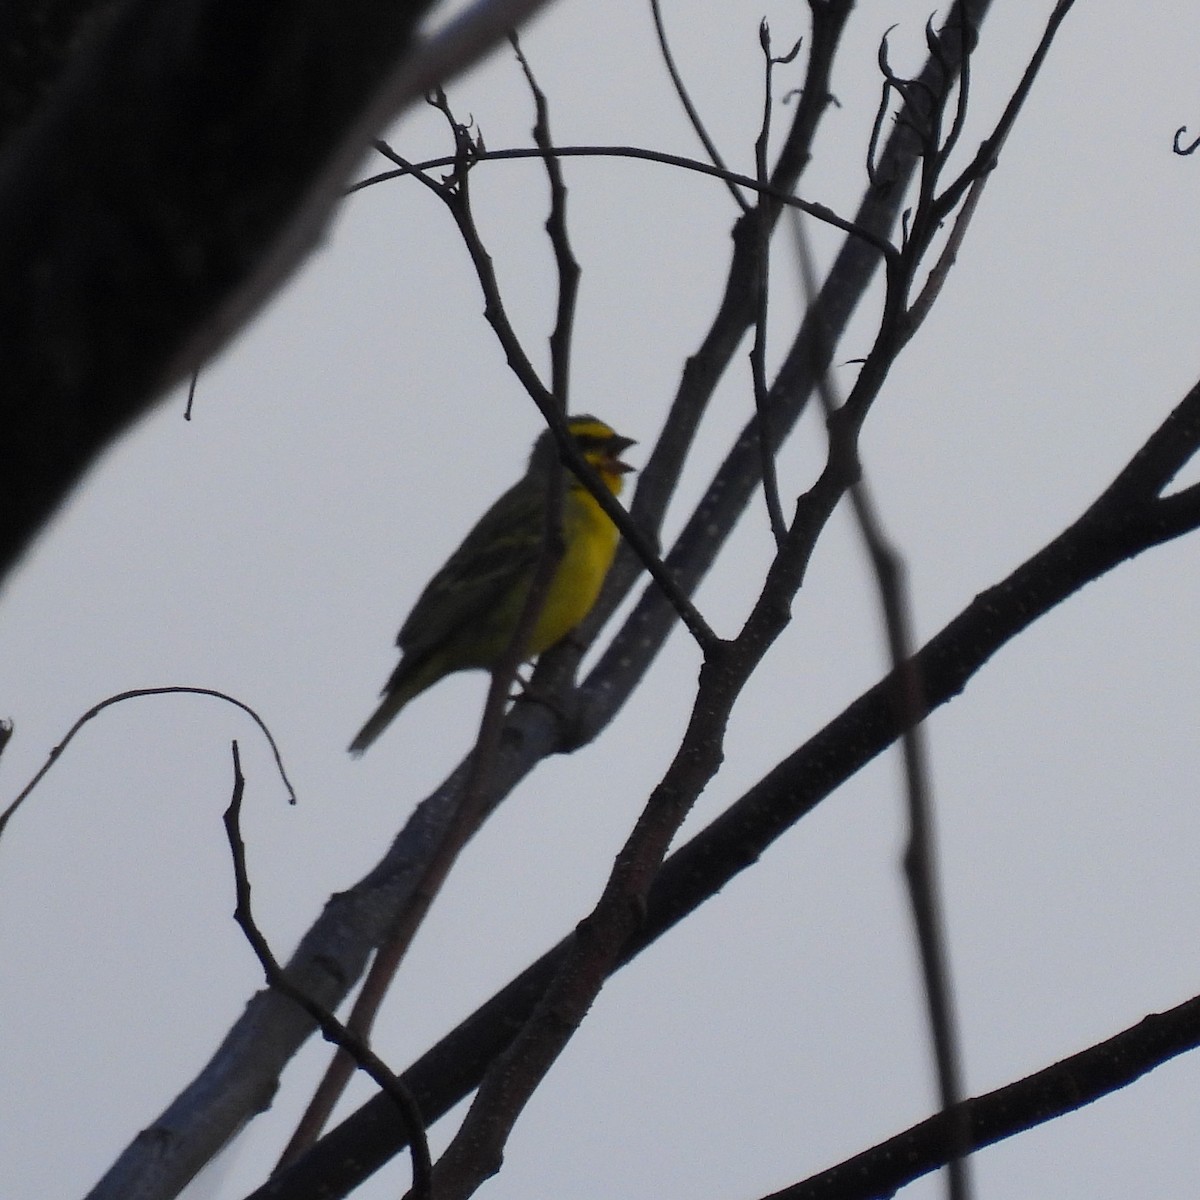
{"points": [[693, 114], [191, 396], [819, 211], [134, 694], [758, 348], [921, 306], [989, 149], [556, 227], [967, 39], [332, 1029], [1178, 146]]}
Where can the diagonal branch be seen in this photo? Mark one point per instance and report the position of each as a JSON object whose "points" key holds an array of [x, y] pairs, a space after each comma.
{"points": [[1062, 1088], [1107, 534]]}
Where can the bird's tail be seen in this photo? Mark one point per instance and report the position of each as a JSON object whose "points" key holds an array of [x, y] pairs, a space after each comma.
{"points": [[395, 697]]}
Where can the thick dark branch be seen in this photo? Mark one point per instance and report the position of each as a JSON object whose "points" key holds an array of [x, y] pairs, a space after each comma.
{"points": [[1062, 1088]]}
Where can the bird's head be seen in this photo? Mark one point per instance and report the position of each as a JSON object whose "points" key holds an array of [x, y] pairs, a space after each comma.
{"points": [[597, 442]]}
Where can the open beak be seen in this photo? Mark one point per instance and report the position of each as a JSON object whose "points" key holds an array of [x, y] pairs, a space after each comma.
{"points": [[612, 455]]}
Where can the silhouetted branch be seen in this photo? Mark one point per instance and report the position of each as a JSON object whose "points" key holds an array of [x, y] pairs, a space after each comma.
{"points": [[770, 190], [1065, 1087], [762, 277], [134, 694], [333, 1030], [693, 114], [1115, 528], [556, 228]]}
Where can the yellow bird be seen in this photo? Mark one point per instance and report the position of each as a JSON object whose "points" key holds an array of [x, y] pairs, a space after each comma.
{"points": [[467, 615]]}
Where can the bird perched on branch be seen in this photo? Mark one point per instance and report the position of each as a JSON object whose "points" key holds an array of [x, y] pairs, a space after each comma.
{"points": [[467, 615]]}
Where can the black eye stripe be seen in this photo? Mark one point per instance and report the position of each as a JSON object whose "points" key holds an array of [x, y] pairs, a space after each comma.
{"points": [[590, 441]]}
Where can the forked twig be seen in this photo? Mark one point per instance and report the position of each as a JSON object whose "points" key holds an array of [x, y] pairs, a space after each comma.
{"points": [[456, 196], [333, 1030]]}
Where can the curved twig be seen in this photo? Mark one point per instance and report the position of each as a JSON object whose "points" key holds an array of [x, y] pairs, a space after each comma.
{"points": [[135, 694], [640, 153], [689, 108], [1184, 150]]}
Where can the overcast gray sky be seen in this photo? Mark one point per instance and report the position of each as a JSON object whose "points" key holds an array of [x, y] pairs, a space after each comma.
{"points": [[340, 448]]}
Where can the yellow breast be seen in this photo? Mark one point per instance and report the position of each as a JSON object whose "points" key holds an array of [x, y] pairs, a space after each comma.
{"points": [[590, 541]]}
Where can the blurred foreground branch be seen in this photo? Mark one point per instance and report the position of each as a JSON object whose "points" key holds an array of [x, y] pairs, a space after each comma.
{"points": [[167, 172]]}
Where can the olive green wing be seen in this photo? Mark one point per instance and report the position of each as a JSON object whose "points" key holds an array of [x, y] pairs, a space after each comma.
{"points": [[502, 549]]}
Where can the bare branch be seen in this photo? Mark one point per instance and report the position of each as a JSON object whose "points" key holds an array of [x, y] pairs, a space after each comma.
{"points": [[1107, 534], [330, 1026], [770, 189], [758, 350], [1062, 1088], [556, 228], [693, 115], [135, 694]]}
